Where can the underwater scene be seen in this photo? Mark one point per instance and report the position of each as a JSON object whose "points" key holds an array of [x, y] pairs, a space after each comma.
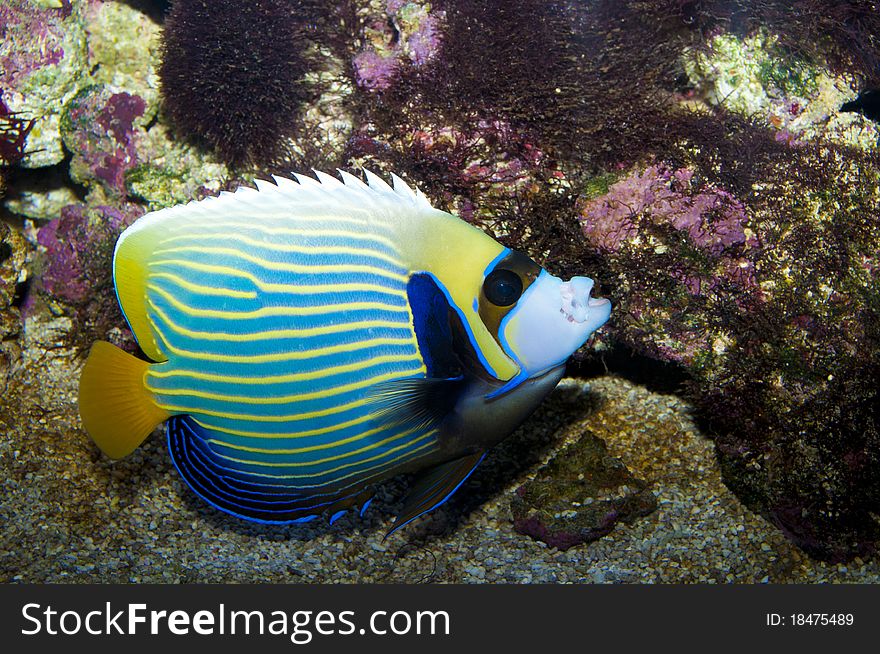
{"points": [[531, 291]]}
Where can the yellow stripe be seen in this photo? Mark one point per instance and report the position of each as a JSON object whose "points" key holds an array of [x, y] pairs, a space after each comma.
{"points": [[283, 356], [295, 397], [270, 287], [288, 267], [335, 457], [385, 465], [265, 312], [293, 417], [205, 290], [276, 333], [296, 434], [155, 372], [286, 247]]}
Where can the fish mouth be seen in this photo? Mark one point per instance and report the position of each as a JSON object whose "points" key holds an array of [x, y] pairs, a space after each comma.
{"points": [[577, 302]]}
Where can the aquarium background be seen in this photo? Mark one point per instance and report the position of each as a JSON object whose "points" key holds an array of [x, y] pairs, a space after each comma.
{"points": [[713, 164]]}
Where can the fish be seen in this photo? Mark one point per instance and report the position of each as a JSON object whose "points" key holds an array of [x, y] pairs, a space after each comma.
{"points": [[867, 103], [312, 337]]}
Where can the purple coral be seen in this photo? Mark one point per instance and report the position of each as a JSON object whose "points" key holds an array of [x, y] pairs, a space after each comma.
{"points": [[73, 243], [100, 131], [693, 246], [713, 220], [373, 71], [416, 36], [424, 43]]}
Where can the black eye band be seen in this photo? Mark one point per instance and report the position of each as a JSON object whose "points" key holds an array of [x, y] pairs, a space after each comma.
{"points": [[503, 287]]}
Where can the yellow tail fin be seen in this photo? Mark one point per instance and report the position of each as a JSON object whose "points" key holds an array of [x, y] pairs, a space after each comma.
{"points": [[116, 408]]}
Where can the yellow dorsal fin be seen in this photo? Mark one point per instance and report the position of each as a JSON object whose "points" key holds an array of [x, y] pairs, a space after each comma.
{"points": [[116, 408]]}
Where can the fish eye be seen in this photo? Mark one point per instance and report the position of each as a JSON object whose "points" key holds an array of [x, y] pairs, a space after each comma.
{"points": [[502, 287]]}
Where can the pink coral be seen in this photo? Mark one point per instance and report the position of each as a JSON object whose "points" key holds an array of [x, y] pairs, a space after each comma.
{"points": [[408, 33], [712, 219], [424, 43], [373, 71], [73, 243], [101, 134]]}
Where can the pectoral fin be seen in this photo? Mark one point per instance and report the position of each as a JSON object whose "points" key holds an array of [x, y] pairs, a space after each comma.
{"points": [[417, 402], [434, 486]]}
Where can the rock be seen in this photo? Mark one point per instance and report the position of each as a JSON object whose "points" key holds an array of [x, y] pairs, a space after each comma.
{"points": [[172, 171], [98, 128], [14, 256], [579, 496], [124, 46], [43, 63]]}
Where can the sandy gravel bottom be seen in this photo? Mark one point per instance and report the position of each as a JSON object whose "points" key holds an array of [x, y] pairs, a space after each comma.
{"points": [[70, 515]]}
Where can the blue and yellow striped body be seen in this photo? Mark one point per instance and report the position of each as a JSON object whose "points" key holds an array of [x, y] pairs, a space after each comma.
{"points": [[273, 316], [275, 335]]}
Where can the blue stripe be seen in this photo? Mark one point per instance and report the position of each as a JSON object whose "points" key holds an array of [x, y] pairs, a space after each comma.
{"points": [[240, 261], [238, 325], [352, 461], [278, 408], [268, 276], [272, 344], [229, 491], [242, 387]]}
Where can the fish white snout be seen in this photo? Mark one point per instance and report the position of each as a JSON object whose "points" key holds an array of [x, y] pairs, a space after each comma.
{"points": [[576, 301], [575, 295], [552, 320]]}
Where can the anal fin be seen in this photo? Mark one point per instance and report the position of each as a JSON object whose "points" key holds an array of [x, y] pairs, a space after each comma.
{"points": [[434, 486], [246, 494]]}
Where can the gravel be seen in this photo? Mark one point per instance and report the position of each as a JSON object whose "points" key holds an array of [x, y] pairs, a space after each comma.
{"points": [[68, 514]]}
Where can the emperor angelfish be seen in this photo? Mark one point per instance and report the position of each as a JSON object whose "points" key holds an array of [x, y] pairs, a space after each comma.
{"points": [[313, 338]]}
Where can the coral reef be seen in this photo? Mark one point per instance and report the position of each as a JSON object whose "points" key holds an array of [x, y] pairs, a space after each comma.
{"points": [[43, 63], [691, 156], [777, 328], [725, 205], [754, 76]]}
